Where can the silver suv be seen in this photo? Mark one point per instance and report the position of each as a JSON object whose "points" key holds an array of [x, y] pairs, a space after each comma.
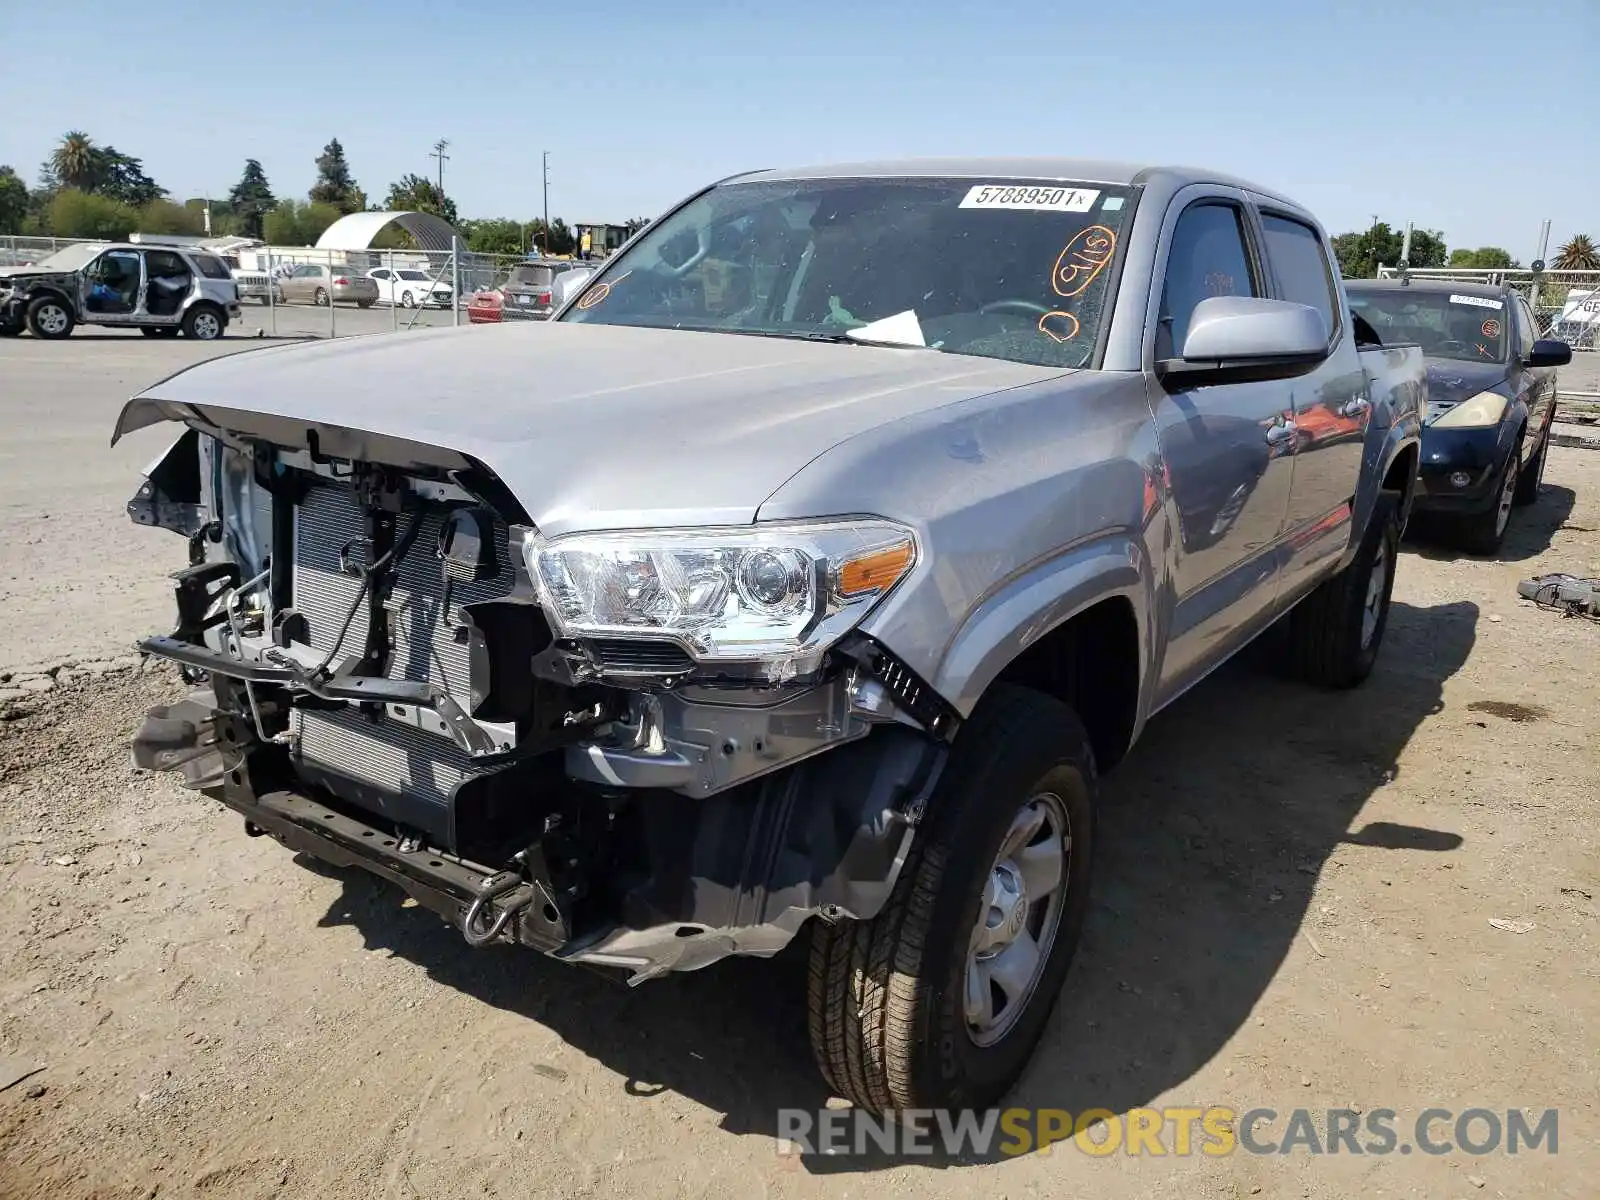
{"points": [[159, 290]]}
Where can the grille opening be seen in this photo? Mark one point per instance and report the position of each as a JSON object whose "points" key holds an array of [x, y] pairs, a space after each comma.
{"points": [[652, 657]]}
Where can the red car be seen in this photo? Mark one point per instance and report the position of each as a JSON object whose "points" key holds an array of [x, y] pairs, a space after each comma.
{"points": [[525, 293]]}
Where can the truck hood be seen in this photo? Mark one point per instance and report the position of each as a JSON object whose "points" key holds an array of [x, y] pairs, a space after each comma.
{"points": [[587, 426]]}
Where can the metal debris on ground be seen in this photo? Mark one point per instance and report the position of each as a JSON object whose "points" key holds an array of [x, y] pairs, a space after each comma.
{"points": [[1566, 594], [1511, 926]]}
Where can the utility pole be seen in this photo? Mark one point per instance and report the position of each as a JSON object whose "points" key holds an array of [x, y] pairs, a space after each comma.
{"points": [[438, 152], [547, 202], [1372, 245]]}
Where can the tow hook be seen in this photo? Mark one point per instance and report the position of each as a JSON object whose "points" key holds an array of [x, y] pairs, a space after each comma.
{"points": [[485, 921]]}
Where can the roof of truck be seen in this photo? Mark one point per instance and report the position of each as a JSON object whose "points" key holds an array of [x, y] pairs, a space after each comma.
{"points": [[1072, 170]]}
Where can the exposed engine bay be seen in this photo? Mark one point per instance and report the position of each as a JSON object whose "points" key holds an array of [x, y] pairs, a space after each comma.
{"points": [[379, 684]]}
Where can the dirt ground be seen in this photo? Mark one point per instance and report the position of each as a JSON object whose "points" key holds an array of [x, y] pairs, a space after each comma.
{"points": [[1293, 906]]}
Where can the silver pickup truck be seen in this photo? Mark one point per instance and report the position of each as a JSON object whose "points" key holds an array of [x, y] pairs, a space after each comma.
{"points": [[801, 576]]}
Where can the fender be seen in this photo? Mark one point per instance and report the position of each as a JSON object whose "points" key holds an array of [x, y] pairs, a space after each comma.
{"points": [[1387, 439], [1027, 606]]}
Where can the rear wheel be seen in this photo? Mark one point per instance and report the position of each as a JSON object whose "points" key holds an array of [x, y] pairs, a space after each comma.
{"points": [[939, 1000], [321, 298], [203, 323], [1336, 631], [7, 330], [50, 318], [407, 300], [365, 303]]}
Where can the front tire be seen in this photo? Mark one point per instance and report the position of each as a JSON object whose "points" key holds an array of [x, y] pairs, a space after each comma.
{"points": [[407, 300], [50, 318], [1336, 631], [939, 1000], [1483, 532], [1531, 477]]}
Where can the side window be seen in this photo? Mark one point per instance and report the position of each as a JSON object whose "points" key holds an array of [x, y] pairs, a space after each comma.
{"points": [[1301, 265], [1527, 328], [380, 273], [163, 264], [212, 267], [1207, 258]]}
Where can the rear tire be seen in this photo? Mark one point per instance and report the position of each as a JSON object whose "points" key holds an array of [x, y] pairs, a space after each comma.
{"points": [[1336, 631], [407, 301], [50, 318], [321, 298], [203, 323], [365, 303], [920, 1007]]}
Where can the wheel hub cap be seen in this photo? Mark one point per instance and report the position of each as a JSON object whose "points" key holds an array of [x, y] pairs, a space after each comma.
{"points": [[1023, 897]]}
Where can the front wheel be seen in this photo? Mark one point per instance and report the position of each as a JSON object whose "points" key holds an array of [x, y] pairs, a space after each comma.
{"points": [[407, 300], [365, 303], [1483, 532], [939, 1000], [50, 318], [1531, 478], [1336, 631]]}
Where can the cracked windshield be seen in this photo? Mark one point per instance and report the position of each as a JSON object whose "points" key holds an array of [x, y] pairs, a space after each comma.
{"points": [[1007, 269]]}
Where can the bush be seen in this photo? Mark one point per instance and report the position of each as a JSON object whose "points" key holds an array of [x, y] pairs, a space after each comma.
{"points": [[291, 223], [163, 216], [76, 214]]}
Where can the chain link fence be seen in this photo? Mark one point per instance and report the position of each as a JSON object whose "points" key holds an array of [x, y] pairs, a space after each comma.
{"points": [[1565, 304]]}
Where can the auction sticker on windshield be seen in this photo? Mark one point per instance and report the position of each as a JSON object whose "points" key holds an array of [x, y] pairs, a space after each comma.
{"points": [[1031, 198], [1477, 302]]}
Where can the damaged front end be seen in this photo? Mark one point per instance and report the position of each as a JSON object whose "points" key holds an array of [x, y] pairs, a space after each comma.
{"points": [[395, 671]]}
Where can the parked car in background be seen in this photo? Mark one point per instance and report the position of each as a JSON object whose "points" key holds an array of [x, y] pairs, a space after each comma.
{"points": [[321, 284], [1491, 397], [159, 290], [799, 579], [410, 288], [257, 285], [524, 293]]}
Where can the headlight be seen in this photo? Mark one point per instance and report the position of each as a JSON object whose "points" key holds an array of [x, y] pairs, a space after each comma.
{"points": [[1475, 412], [777, 593]]}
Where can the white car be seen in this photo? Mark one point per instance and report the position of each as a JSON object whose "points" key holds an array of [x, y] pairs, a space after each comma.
{"points": [[409, 287]]}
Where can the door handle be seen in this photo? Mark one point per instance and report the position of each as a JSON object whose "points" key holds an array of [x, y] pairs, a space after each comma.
{"points": [[1280, 433], [1355, 407]]}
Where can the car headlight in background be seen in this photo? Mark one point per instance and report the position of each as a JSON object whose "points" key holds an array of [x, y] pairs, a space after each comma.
{"points": [[780, 594], [1475, 412]]}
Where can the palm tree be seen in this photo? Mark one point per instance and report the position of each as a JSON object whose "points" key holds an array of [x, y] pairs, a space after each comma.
{"points": [[1579, 254], [75, 160]]}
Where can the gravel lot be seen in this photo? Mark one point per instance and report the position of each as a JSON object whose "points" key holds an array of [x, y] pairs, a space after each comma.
{"points": [[1292, 909]]}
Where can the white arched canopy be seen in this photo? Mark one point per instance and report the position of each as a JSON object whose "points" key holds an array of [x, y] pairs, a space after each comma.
{"points": [[356, 231]]}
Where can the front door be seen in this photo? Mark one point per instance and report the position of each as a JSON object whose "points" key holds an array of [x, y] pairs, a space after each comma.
{"points": [[1331, 404], [1228, 451], [111, 287], [1536, 386]]}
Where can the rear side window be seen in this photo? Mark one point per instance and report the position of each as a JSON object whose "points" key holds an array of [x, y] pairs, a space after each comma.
{"points": [[212, 267], [164, 264], [1301, 265], [1207, 258]]}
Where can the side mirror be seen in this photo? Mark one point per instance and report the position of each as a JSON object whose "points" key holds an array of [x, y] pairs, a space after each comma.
{"points": [[568, 284], [1548, 352], [1235, 339]]}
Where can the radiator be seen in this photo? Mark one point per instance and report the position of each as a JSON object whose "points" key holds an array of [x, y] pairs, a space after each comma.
{"points": [[387, 752]]}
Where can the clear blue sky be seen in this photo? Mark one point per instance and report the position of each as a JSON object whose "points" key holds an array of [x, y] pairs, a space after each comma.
{"points": [[1472, 117]]}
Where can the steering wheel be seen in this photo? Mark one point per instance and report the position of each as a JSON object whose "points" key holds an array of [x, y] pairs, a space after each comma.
{"points": [[1027, 307], [702, 238]]}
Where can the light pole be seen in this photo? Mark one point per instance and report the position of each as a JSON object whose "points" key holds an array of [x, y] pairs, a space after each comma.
{"points": [[438, 152], [547, 202]]}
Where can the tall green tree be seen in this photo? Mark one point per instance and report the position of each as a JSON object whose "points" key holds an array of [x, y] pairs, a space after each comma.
{"points": [[251, 199], [122, 177], [1361, 253], [13, 201], [335, 185], [292, 223], [1483, 256], [414, 193], [1578, 253], [75, 162], [163, 216]]}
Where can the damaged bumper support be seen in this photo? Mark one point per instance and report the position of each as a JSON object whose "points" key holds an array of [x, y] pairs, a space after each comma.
{"points": [[738, 872]]}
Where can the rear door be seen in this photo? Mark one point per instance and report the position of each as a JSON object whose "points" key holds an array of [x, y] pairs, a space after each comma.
{"points": [[1227, 447], [1330, 402]]}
